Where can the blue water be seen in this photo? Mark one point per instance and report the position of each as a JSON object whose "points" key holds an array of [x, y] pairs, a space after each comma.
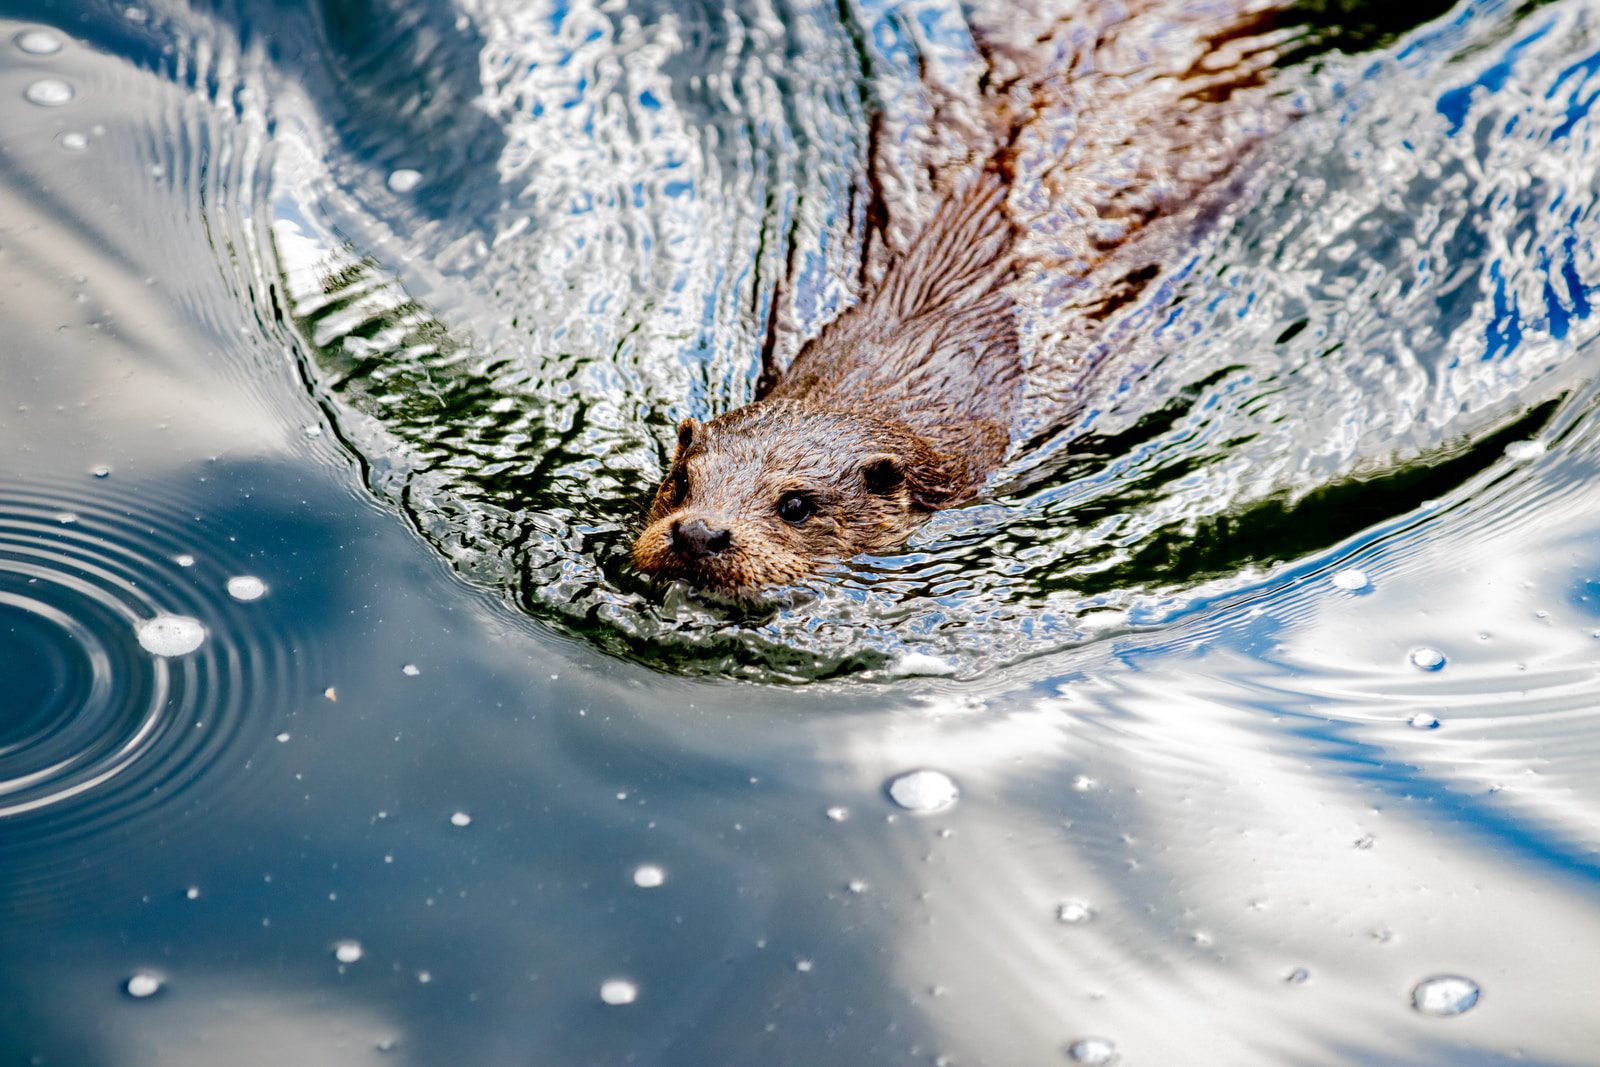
{"points": [[392, 308]]}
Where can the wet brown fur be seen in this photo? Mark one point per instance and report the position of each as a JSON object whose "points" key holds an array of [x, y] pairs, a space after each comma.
{"points": [[906, 403]]}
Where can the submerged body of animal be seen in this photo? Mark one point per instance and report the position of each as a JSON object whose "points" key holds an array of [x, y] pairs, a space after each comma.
{"points": [[1109, 125]]}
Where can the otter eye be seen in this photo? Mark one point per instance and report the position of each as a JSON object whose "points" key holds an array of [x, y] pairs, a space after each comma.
{"points": [[796, 508], [680, 485]]}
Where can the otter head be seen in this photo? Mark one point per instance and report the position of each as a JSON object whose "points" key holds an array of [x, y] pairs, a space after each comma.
{"points": [[766, 494]]}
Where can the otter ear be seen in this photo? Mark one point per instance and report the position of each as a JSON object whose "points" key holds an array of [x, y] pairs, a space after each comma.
{"points": [[687, 429], [928, 483], [883, 474]]}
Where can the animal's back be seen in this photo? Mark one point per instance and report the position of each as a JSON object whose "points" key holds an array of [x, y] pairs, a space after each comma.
{"points": [[1097, 140]]}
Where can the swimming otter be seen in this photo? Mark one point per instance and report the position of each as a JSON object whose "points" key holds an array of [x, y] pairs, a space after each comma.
{"points": [[1111, 121]]}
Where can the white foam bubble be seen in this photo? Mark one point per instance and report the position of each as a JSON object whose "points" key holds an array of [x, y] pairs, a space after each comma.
{"points": [[1350, 579], [648, 876], [246, 587], [924, 791], [348, 950], [618, 991], [1074, 911], [1445, 995], [48, 92], [460, 818], [1096, 1051], [38, 42], [404, 180], [909, 664], [142, 984], [1523, 450], [171, 635], [1427, 659]]}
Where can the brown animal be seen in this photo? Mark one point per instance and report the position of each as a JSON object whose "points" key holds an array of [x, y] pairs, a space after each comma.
{"points": [[1090, 132]]}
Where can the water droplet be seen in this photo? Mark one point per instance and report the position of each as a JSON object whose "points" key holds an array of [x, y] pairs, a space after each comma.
{"points": [[1074, 911], [142, 984], [38, 42], [73, 141], [283, 738], [1083, 783], [857, 885], [1520, 450], [247, 587], [66, 518], [171, 635], [347, 951], [1298, 976], [1350, 579], [838, 814], [311, 431], [424, 977], [460, 818], [1092, 1050], [1423, 721], [925, 791], [1445, 995], [648, 876], [48, 92], [804, 966], [134, 13], [100, 471], [618, 991], [404, 180], [184, 560], [410, 670], [193, 892], [1428, 659]]}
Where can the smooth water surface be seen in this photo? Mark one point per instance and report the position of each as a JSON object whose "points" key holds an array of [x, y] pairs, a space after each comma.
{"points": [[1253, 718]]}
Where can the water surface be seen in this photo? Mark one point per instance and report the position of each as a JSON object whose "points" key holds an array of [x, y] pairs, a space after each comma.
{"points": [[1266, 686]]}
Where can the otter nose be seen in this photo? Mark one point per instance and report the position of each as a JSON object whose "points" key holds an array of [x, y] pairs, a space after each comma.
{"points": [[696, 539]]}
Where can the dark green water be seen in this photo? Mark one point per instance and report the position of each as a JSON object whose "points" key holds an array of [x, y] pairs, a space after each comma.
{"points": [[391, 309]]}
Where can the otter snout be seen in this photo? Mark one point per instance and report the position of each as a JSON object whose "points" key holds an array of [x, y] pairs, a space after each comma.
{"points": [[698, 539]]}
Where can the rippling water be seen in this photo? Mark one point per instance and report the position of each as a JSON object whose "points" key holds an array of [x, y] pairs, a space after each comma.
{"points": [[1266, 731]]}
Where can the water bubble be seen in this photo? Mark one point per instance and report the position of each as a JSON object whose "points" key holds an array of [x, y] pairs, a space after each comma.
{"points": [[804, 966], [171, 635], [857, 885], [410, 670], [838, 813], [618, 991], [1521, 450], [1092, 1050], [247, 587], [134, 13], [460, 818], [1445, 995], [404, 180], [38, 42], [1423, 721], [1427, 659], [909, 664], [193, 892], [1298, 976], [1351, 579], [73, 141], [1074, 911], [184, 560], [142, 984], [648, 876], [100, 471], [283, 738], [1083, 783], [348, 950], [924, 791], [48, 92]]}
